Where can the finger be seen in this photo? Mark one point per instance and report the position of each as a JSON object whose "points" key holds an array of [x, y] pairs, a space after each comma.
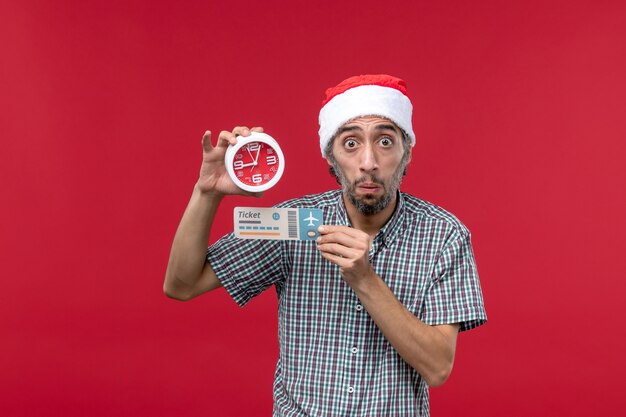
{"points": [[206, 142], [360, 241], [241, 131], [337, 260], [226, 138], [339, 238], [339, 250], [257, 129], [328, 229]]}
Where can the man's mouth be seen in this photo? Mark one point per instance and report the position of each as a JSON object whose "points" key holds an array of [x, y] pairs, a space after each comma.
{"points": [[368, 187]]}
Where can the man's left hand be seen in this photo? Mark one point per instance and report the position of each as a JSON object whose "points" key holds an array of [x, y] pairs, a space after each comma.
{"points": [[347, 248]]}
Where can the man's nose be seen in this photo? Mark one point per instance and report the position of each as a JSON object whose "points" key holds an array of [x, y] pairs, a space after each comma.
{"points": [[368, 159]]}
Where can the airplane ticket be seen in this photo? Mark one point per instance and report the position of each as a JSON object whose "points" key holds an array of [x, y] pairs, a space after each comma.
{"points": [[277, 223]]}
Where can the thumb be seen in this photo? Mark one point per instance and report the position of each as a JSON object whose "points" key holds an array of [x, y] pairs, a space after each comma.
{"points": [[206, 142]]}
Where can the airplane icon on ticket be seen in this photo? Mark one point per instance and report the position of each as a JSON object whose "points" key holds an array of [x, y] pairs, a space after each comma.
{"points": [[311, 219]]}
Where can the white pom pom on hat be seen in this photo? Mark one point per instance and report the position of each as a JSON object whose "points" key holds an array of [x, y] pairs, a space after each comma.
{"points": [[365, 95]]}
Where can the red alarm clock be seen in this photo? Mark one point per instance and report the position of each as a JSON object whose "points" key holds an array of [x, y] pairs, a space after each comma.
{"points": [[255, 163]]}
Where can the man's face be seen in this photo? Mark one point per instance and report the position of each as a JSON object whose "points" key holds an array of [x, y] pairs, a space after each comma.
{"points": [[369, 159]]}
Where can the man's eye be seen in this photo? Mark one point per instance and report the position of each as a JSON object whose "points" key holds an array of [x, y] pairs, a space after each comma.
{"points": [[386, 142], [350, 144]]}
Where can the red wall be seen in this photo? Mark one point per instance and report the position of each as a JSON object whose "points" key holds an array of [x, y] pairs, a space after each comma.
{"points": [[520, 117]]}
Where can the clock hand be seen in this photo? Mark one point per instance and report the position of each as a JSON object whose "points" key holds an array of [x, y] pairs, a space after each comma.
{"points": [[257, 155], [250, 153], [255, 158]]}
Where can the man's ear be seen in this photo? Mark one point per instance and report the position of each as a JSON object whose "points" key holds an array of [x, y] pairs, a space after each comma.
{"points": [[410, 154], [328, 161]]}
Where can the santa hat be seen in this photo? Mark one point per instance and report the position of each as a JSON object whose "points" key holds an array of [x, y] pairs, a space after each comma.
{"points": [[365, 95]]}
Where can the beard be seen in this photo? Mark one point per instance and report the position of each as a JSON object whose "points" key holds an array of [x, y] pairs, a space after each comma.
{"points": [[369, 204]]}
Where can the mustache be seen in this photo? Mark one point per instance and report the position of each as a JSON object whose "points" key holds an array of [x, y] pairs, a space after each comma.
{"points": [[368, 178]]}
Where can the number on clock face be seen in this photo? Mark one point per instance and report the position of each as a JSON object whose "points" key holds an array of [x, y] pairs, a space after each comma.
{"points": [[255, 163]]}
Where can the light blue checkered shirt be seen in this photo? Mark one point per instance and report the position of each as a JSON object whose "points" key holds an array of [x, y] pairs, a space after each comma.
{"points": [[333, 360]]}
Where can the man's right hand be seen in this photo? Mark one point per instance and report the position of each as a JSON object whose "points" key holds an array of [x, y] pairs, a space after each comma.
{"points": [[188, 272], [214, 178]]}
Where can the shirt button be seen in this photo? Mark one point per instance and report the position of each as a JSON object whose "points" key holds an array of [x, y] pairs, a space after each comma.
{"points": [[354, 350], [359, 307], [350, 390]]}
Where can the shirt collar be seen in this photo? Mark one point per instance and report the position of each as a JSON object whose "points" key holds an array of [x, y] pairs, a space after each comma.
{"points": [[390, 230], [340, 210]]}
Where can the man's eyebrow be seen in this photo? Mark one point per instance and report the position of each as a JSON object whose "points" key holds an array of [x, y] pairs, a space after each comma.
{"points": [[387, 127], [345, 129], [359, 129]]}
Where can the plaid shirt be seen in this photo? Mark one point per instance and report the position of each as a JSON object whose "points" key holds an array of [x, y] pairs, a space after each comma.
{"points": [[334, 361]]}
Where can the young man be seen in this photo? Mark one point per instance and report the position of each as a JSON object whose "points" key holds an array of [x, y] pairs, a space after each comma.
{"points": [[369, 314]]}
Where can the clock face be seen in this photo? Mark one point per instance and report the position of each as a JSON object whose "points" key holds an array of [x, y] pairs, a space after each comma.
{"points": [[256, 163]]}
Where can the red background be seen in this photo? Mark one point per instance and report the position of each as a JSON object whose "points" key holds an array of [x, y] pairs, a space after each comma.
{"points": [[519, 113]]}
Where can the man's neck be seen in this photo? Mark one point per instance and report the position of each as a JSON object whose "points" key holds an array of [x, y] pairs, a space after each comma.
{"points": [[370, 224]]}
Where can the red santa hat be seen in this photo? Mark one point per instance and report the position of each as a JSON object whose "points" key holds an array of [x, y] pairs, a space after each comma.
{"points": [[365, 95]]}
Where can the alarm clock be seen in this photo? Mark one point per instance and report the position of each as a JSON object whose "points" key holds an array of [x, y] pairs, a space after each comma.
{"points": [[255, 163]]}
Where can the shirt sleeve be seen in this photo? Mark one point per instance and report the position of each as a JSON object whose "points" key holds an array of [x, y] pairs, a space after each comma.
{"points": [[455, 295], [245, 267]]}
